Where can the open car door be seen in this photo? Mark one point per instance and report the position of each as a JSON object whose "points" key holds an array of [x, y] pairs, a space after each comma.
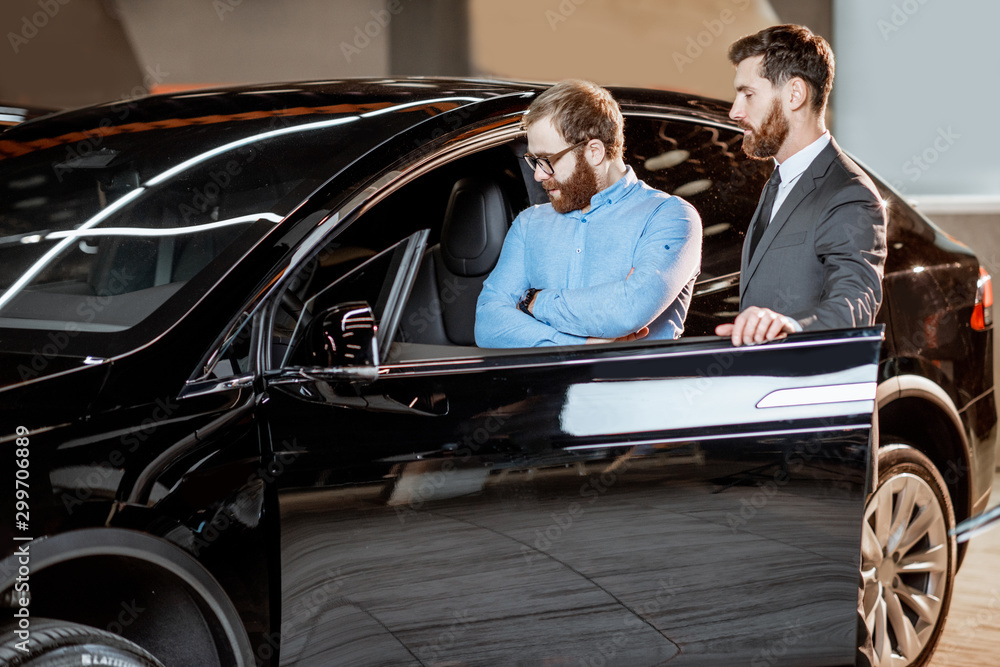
{"points": [[619, 504]]}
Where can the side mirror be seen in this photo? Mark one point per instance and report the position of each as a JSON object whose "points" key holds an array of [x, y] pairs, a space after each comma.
{"points": [[340, 342], [344, 335]]}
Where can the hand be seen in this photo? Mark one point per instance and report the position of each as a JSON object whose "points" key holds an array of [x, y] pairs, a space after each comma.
{"points": [[756, 325], [641, 333]]}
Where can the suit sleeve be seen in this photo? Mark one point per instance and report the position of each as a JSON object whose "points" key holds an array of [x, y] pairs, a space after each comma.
{"points": [[499, 322], [666, 256], [851, 244]]}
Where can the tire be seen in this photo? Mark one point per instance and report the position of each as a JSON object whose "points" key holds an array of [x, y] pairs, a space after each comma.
{"points": [[908, 558], [61, 644]]}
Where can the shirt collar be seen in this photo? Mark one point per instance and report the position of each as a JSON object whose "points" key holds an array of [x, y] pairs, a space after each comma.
{"points": [[793, 167], [616, 192]]}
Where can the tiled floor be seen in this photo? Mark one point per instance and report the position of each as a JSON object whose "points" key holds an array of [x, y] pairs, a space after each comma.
{"points": [[972, 634]]}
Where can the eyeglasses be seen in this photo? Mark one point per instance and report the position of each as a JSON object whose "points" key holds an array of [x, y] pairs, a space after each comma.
{"points": [[546, 161]]}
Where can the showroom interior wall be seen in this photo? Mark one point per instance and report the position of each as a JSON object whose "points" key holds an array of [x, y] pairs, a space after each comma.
{"points": [[916, 98], [255, 41], [917, 89], [64, 53]]}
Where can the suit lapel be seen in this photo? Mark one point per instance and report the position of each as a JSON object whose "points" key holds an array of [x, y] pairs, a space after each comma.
{"points": [[805, 185]]}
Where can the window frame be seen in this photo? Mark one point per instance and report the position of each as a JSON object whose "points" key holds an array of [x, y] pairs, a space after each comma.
{"points": [[447, 149]]}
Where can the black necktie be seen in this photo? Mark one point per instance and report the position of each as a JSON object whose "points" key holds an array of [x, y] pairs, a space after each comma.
{"points": [[766, 205]]}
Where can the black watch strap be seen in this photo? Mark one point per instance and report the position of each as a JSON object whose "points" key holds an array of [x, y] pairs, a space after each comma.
{"points": [[526, 299]]}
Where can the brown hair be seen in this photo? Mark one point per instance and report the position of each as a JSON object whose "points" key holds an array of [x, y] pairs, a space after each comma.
{"points": [[581, 110], [790, 51]]}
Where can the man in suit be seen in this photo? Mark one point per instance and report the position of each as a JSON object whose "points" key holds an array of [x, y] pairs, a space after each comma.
{"points": [[815, 250]]}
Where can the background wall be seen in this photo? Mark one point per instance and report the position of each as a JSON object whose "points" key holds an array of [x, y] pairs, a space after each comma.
{"points": [[916, 97], [254, 41], [917, 90], [65, 54], [678, 44]]}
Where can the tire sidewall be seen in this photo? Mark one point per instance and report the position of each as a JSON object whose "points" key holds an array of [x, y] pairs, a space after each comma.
{"points": [[55, 643], [898, 458]]}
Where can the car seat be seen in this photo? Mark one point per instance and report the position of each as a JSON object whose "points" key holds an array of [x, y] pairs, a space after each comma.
{"points": [[442, 306]]}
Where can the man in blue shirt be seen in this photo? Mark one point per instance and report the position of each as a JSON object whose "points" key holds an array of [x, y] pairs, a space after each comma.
{"points": [[609, 258]]}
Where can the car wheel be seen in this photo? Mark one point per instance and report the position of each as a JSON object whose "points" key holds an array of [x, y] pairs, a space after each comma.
{"points": [[60, 644], [907, 557]]}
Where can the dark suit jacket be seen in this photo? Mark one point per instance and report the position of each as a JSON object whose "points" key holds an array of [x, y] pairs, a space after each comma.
{"points": [[821, 258]]}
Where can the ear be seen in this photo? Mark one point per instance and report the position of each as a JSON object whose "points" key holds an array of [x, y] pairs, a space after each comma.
{"points": [[796, 93], [594, 152]]}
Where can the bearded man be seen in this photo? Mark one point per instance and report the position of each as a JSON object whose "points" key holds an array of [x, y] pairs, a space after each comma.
{"points": [[609, 258], [815, 251]]}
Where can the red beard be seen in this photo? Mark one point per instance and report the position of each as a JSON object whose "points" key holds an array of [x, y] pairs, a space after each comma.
{"points": [[765, 142], [575, 192]]}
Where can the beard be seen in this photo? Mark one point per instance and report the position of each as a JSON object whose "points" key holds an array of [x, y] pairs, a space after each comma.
{"points": [[575, 192], [765, 142]]}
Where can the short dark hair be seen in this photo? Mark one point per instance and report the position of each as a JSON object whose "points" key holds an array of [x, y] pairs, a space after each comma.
{"points": [[581, 110], [790, 51]]}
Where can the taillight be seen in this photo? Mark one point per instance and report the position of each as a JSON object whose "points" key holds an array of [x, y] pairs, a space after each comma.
{"points": [[982, 312]]}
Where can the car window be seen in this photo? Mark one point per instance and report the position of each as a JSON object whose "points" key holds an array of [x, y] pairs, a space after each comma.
{"points": [[233, 356], [701, 163], [381, 283], [422, 203], [704, 164]]}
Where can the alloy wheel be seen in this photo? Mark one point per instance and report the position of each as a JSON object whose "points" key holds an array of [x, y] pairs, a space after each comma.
{"points": [[907, 562]]}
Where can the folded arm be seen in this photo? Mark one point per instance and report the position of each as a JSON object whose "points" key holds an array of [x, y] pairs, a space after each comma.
{"points": [[499, 322], [667, 255]]}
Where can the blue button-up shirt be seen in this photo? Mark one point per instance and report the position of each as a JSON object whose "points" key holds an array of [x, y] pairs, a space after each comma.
{"points": [[581, 262]]}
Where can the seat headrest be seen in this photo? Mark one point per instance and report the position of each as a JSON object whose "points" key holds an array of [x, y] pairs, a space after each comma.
{"points": [[475, 224]]}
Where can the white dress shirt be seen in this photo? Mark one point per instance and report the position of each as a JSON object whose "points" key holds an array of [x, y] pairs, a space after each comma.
{"points": [[793, 168]]}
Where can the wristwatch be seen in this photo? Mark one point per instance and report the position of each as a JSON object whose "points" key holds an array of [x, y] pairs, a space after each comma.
{"points": [[529, 294]]}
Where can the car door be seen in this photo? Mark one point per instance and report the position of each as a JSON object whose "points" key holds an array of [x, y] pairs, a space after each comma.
{"points": [[627, 503], [631, 503]]}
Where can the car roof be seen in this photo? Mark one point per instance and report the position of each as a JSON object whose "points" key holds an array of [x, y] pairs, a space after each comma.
{"points": [[308, 100]]}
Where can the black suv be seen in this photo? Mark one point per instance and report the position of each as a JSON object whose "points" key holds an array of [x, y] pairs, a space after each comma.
{"points": [[244, 417]]}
